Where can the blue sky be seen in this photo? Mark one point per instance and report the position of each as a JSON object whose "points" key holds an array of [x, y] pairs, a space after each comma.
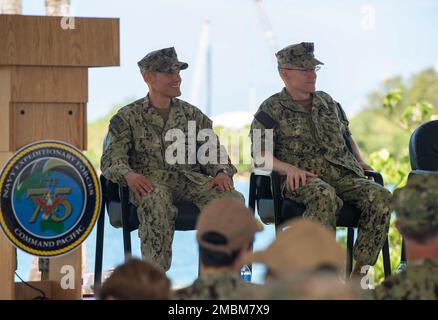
{"points": [[357, 54]]}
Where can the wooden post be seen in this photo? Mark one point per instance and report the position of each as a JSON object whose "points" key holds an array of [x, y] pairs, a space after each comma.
{"points": [[7, 250], [7, 269], [44, 95], [66, 274]]}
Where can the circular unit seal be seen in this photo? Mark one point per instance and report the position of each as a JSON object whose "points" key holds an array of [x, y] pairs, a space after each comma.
{"points": [[50, 198]]}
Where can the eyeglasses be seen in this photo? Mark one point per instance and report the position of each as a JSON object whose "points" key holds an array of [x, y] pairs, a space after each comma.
{"points": [[315, 69]]}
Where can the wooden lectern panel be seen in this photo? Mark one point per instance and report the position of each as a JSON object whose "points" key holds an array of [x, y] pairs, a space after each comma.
{"points": [[7, 254], [42, 41], [23, 292], [5, 98], [7, 269], [43, 95], [60, 268], [49, 84], [39, 121]]}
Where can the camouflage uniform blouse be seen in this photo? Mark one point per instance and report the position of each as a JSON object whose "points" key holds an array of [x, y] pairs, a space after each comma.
{"points": [[137, 142], [308, 138], [417, 282]]}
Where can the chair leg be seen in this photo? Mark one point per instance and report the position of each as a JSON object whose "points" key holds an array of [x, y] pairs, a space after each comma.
{"points": [[127, 243], [350, 243], [276, 197], [252, 204], [386, 259], [403, 261], [199, 265], [252, 193], [124, 195], [99, 248], [403, 252]]}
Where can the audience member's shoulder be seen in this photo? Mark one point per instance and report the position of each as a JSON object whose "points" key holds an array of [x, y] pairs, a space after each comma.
{"points": [[248, 291], [184, 293], [308, 287], [413, 283], [391, 288]]}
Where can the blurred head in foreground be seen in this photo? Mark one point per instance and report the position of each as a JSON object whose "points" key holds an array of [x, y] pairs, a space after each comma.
{"points": [[136, 280]]}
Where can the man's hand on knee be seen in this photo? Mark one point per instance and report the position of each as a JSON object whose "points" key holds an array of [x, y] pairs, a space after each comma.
{"points": [[138, 184], [297, 178], [222, 181]]}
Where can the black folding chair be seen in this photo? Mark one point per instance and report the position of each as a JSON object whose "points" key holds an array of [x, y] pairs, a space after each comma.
{"points": [[123, 214], [273, 208]]}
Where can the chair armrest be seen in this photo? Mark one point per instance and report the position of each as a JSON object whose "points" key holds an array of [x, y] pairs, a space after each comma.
{"points": [[417, 172], [272, 175], [421, 172], [124, 192], [124, 199], [261, 172], [375, 175], [253, 187]]}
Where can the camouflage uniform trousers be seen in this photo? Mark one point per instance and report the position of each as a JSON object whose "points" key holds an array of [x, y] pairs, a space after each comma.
{"points": [[324, 196], [157, 213]]}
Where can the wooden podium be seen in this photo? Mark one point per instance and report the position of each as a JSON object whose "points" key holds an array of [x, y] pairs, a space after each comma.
{"points": [[43, 95]]}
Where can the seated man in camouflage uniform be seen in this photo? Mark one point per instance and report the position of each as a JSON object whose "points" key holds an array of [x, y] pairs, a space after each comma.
{"points": [[416, 206], [310, 136], [140, 137], [226, 230]]}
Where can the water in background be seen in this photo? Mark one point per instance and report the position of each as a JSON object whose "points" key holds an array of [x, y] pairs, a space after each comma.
{"points": [[184, 267]]}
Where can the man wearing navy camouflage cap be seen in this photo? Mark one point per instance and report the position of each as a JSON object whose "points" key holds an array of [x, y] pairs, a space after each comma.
{"points": [[416, 206], [163, 61], [311, 142], [225, 232], [140, 136]]}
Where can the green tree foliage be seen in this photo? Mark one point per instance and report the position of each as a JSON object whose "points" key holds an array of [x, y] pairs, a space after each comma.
{"points": [[393, 111], [238, 145], [382, 130]]}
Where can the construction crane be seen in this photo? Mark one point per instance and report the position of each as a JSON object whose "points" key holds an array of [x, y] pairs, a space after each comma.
{"points": [[203, 69], [203, 65], [266, 26]]}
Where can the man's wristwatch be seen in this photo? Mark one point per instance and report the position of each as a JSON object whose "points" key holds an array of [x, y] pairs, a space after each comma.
{"points": [[226, 171]]}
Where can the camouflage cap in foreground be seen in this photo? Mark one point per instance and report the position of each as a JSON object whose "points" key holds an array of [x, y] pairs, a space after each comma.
{"points": [[301, 246], [416, 205], [230, 219], [163, 60]]}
